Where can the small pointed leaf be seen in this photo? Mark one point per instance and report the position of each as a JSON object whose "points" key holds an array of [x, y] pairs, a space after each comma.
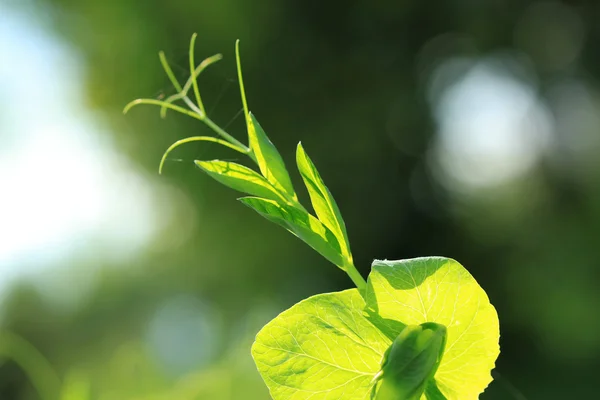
{"points": [[301, 224], [323, 202], [268, 158], [240, 178], [322, 348]]}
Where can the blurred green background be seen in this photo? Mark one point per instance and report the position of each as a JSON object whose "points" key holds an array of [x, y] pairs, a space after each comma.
{"points": [[463, 128]]}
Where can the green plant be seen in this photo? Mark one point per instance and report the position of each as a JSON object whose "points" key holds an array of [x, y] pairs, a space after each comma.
{"points": [[415, 329]]}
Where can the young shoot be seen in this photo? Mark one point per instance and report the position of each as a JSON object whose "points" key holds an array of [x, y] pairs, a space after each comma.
{"points": [[417, 329], [271, 191]]}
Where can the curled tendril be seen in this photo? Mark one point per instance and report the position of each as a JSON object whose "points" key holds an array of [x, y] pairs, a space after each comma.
{"points": [[196, 110], [198, 139], [161, 103], [182, 94]]}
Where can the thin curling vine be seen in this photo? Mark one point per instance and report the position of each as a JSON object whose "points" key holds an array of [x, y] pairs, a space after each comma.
{"points": [[415, 329]]}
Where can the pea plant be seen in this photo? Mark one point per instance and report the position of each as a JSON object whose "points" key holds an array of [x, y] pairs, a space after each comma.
{"points": [[419, 328]]}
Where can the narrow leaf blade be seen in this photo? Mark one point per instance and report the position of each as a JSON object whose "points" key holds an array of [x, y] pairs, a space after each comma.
{"points": [[323, 202], [322, 348], [301, 224], [240, 178], [268, 158]]}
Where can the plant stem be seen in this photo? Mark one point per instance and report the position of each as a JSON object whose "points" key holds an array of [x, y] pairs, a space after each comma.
{"points": [[182, 91], [226, 135], [162, 104], [209, 122], [192, 73], [169, 71], [241, 83], [356, 277]]}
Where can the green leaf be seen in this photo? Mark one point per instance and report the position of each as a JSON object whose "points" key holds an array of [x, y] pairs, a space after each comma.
{"points": [[268, 158], [412, 361], [323, 203], [440, 290], [240, 178], [301, 224], [322, 348]]}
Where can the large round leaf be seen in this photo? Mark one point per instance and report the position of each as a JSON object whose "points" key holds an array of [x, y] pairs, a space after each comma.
{"points": [[323, 348], [440, 290]]}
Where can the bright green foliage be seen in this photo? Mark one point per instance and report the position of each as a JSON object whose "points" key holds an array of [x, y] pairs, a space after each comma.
{"points": [[260, 147], [301, 224], [338, 346], [411, 361], [325, 206], [425, 304], [240, 178], [437, 289], [275, 196], [269, 161], [320, 349]]}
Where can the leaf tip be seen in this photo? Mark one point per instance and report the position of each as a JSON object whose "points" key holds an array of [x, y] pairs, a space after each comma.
{"points": [[300, 154], [199, 164]]}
